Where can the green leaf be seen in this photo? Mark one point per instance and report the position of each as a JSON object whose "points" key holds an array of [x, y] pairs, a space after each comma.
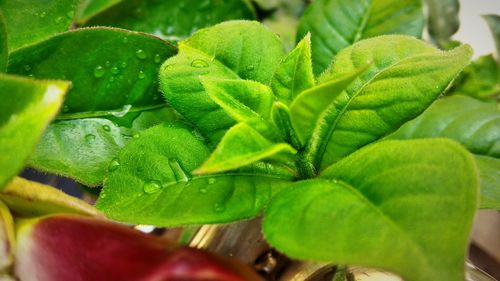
{"points": [[494, 24], [29, 22], [89, 8], [489, 175], [153, 185], [29, 199], [27, 107], [230, 50], [336, 24], [442, 20], [121, 71], [244, 101], [307, 108], [294, 74], [474, 124], [4, 51], [282, 119], [394, 205], [480, 79], [171, 20], [398, 86], [241, 146]]}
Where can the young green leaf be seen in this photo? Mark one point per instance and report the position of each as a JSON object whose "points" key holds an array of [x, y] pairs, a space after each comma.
{"points": [[29, 22], [489, 175], [494, 24], [336, 24], [481, 79], [230, 50], [394, 205], [153, 185], [282, 119], [241, 146], [398, 86], [171, 20], [243, 100], [103, 80], [4, 51], [29, 199], [294, 74], [27, 107], [442, 20], [308, 107], [474, 124]]}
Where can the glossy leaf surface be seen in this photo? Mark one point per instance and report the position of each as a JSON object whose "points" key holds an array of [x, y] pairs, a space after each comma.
{"points": [[336, 24], [27, 107], [171, 20], [378, 209], [153, 185], [405, 76], [29, 22], [230, 50]]}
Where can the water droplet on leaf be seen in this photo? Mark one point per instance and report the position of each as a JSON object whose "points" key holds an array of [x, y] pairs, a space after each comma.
{"points": [[99, 71], [211, 180], [199, 63], [106, 128], [89, 138], [113, 165], [125, 40], [123, 64], [140, 54], [115, 70], [141, 74], [202, 189], [107, 63], [157, 58], [219, 208], [151, 187]]}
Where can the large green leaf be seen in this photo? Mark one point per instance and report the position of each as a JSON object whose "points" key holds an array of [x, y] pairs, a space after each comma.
{"points": [[442, 19], [121, 71], [230, 50], [241, 146], [27, 107], [4, 51], [494, 24], [480, 79], [336, 24], [489, 173], [404, 206], [171, 20], [152, 183], [29, 22], [405, 76]]}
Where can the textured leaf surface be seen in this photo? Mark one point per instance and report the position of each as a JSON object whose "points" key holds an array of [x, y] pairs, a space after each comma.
{"points": [[394, 205], [171, 20], [473, 123], [29, 22], [27, 107], [294, 74], [153, 185], [230, 50], [480, 79], [241, 146], [61, 248], [29, 199], [336, 24], [405, 76], [121, 71], [442, 19]]}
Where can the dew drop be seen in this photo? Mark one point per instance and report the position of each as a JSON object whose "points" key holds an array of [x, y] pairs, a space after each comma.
{"points": [[202, 189], [99, 71], [106, 128], [199, 63], [141, 74], [151, 187], [219, 208], [115, 70], [89, 138], [140, 54], [107, 63], [211, 180], [123, 64], [157, 58], [125, 40], [113, 165]]}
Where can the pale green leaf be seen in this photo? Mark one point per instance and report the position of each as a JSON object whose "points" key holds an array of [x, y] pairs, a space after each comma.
{"points": [[29, 22], [394, 205], [26, 109], [241, 146], [230, 50], [294, 74], [442, 20], [405, 76], [336, 24], [489, 175], [153, 185]]}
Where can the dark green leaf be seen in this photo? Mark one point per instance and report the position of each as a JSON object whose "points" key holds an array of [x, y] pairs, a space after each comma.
{"points": [[405, 76], [89, 8], [336, 24], [494, 24], [480, 79], [171, 20], [4, 51], [153, 185], [294, 74], [27, 107], [241, 146], [230, 50], [442, 20], [118, 68], [489, 175], [29, 22], [395, 205]]}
